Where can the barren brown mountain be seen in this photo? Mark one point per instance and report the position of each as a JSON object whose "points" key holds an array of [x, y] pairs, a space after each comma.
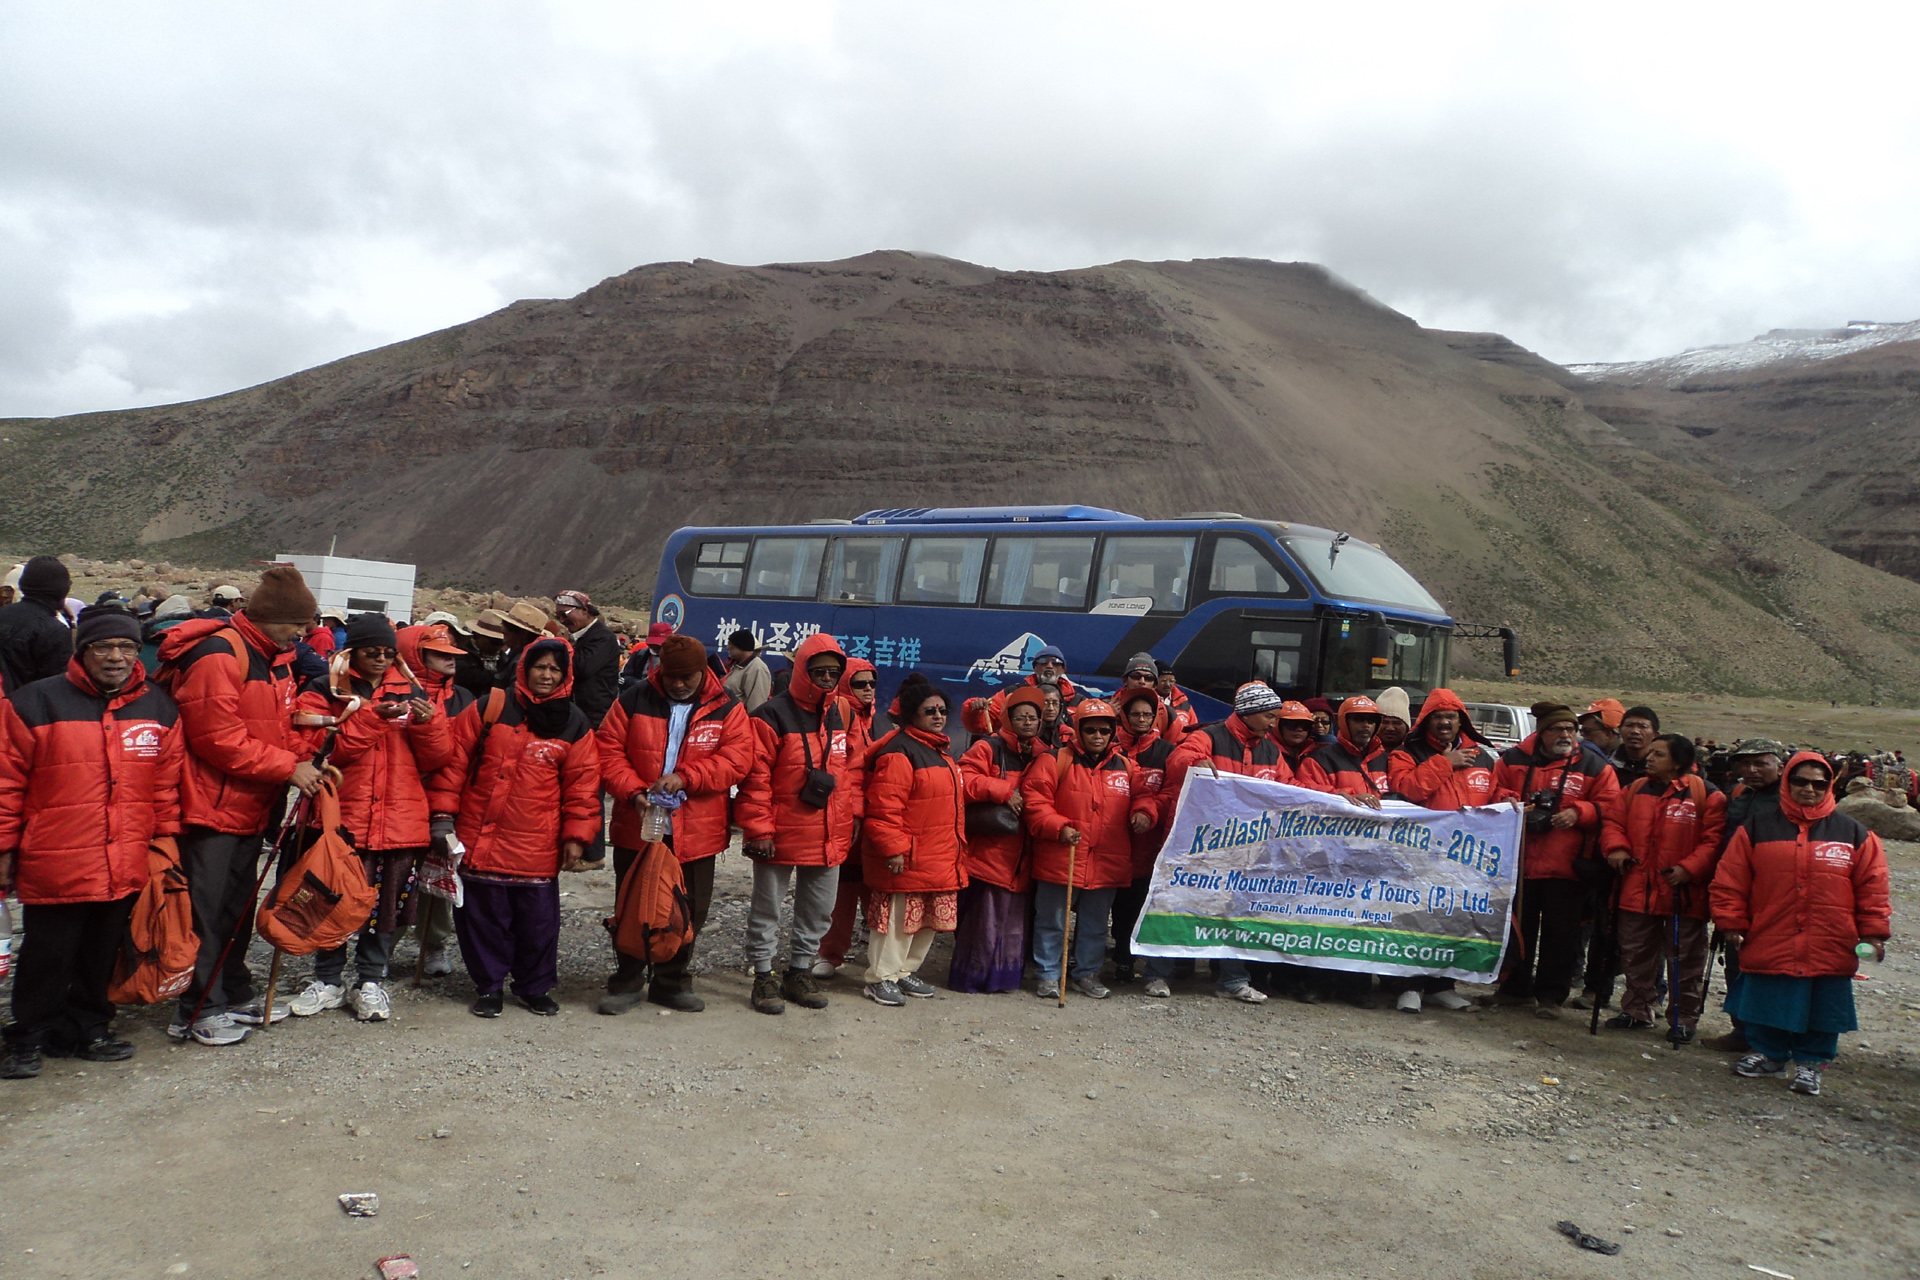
{"points": [[555, 442]]}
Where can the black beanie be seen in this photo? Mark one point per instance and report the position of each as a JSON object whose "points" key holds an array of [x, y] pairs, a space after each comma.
{"points": [[369, 631], [104, 622], [45, 576]]}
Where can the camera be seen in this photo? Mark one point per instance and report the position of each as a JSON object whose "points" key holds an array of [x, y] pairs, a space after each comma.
{"points": [[1541, 806]]}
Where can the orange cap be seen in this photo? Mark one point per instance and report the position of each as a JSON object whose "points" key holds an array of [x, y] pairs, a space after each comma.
{"points": [[1610, 710], [1094, 709], [1298, 711], [439, 639]]}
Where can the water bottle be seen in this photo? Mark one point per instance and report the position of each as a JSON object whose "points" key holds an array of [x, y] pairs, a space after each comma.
{"points": [[6, 939], [1864, 950], [656, 823]]}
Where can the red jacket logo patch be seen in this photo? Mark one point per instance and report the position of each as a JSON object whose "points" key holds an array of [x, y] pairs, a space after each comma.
{"points": [[140, 739], [705, 736], [1834, 854], [1117, 782], [546, 751], [1153, 778]]}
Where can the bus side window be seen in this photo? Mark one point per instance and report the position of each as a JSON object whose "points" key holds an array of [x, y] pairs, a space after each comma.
{"points": [[1276, 657], [943, 570], [786, 568], [863, 570], [718, 567], [1156, 568], [1240, 570], [1040, 572]]}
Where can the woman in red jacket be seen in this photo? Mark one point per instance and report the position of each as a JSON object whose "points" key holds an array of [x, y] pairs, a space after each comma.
{"points": [[432, 654], [527, 785], [860, 686], [390, 735], [1141, 737], [1082, 807], [1662, 838], [990, 944], [914, 843], [1797, 891]]}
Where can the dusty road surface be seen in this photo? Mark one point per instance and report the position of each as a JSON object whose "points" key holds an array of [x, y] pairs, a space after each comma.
{"points": [[989, 1136]]}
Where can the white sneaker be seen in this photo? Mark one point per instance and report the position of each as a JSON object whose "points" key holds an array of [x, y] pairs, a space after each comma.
{"points": [[822, 969], [220, 1029], [1409, 1002], [1245, 995], [438, 963], [1452, 1001], [318, 998], [254, 1012], [370, 1003], [1157, 988]]}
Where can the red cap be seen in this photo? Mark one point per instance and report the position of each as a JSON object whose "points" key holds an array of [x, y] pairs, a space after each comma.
{"points": [[1094, 709], [439, 639], [1295, 711], [658, 633]]}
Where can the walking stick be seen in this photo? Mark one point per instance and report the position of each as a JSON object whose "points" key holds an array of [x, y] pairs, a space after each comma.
{"points": [[1673, 971], [1066, 925]]}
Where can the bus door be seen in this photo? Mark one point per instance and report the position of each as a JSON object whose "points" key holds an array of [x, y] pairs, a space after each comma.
{"points": [[1239, 645]]}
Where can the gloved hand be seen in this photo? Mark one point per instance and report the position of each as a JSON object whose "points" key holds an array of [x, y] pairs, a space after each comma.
{"points": [[440, 828]]}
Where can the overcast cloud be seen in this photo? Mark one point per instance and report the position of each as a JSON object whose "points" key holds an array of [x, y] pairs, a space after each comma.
{"points": [[199, 197]]}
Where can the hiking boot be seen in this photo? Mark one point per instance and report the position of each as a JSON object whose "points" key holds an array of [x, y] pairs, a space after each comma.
{"points": [[543, 1004], [1090, 988], [799, 987], [318, 998], [1582, 1002], [370, 1003], [678, 1001], [488, 1005], [1680, 1034], [1451, 1001], [766, 993], [917, 987], [1545, 1010], [1733, 1042], [824, 969], [1627, 1022], [101, 1049], [436, 964], [20, 1064], [1806, 1079], [253, 1012], [1409, 1002], [1157, 988], [1046, 988], [1245, 995], [615, 1003], [1755, 1065], [220, 1029], [887, 993], [178, 1028]]}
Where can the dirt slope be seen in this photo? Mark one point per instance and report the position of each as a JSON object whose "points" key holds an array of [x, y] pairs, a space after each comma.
{"points": [[561, 439]]}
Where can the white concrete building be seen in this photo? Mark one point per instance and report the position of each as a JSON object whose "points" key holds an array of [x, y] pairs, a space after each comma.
{"points": [[358, 586]]}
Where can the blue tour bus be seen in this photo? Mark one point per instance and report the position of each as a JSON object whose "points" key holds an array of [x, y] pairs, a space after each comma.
{"points": [[967, 595]]}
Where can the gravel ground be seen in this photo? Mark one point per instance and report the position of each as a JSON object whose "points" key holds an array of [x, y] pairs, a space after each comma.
{"points": [[966, 1135]]}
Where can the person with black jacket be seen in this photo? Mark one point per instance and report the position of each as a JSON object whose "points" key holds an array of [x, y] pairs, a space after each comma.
{"points": [[36, 637], [596, 655]]}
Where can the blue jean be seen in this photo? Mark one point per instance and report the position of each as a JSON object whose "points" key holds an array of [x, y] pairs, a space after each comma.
{"points": [[1228, 974], [1092, 907]]}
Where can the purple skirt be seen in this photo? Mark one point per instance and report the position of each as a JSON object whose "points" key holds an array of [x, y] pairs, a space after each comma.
{"points": [[990, 945]]}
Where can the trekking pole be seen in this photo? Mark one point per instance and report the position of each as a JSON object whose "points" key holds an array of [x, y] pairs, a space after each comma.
{"points": [[1066, 926], [1673, 971], [273, 970]]}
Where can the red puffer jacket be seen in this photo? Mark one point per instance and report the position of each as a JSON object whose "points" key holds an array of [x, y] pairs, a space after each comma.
{"points": [[442, 691], [917, 809], [1420, 772], [716, 753], [789, 729], [1805, 886], [992, 769], [1151, 754], [1231, 747], [1094, 797], [536, 783], [982, 716], [86, 780], [241, 744], [1341, 768], [1675, 826], [1184, 716], [383, 763], [1589, 789]]}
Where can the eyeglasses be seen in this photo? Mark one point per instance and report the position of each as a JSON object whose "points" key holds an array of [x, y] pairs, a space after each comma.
{"points": [[930, 712], [1815, 785], [863, 684], [1048, 662], [374, 652]]}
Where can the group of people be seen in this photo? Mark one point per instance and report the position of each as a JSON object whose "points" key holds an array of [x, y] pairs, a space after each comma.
{"points": [[1026, 824]]}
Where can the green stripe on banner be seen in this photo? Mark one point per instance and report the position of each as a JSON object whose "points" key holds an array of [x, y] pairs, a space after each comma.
{"points": [[1387, 946]]}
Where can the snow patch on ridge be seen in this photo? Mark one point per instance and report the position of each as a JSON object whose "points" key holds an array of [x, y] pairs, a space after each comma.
{"points": [[1772, 347]]}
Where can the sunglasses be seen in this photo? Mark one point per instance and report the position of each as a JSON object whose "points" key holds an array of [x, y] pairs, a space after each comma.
{"points": [[1815, 785], [372, 652], [863, 684]]}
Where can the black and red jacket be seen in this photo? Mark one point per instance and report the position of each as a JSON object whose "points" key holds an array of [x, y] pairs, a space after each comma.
{"points": [[241, 743], [992, 768], [1230, 747], [916, 809], [86, 780], [715, 754]]}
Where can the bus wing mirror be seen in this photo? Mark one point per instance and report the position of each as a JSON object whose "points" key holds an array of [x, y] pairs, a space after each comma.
{"points": [[1379, 644], [1510, 650]]}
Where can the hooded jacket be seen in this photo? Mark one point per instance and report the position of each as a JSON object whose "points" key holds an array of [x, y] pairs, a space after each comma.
{"points": [[1661, 827], [383, 764], [1588, 790], [715, 754], [1180, 710], [241, 743], [1421, 772], [1230, 747], [791, 727], [527, 792], [982, 716], [991, 769], [35, 642], [873, 723], [1805, 885], [1343, 768], [1097, 797], [443, 691], [1151, 754], [916, 808], [86, 781]]}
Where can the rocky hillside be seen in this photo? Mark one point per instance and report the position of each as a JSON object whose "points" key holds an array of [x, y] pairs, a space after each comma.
{"points": [[555, 442]]}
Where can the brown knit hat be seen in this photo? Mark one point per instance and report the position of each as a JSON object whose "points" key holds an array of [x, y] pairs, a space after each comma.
{"points": [[1548, 714], [282, 596], [682, 656]]}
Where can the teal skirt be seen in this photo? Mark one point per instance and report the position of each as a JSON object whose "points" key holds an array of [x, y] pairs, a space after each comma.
{"points": [[1795, 1004]]}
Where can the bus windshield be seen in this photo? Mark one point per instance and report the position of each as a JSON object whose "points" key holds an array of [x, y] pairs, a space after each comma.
{"points": [[1359, 572], [1418, 662]]}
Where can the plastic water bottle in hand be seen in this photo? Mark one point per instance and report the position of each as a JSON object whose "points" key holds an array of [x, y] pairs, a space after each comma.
{"points": [[1864, 950], [656, 820]]}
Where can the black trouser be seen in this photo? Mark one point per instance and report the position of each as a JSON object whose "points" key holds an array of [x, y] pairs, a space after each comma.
{"points": [[1546, 945], [1128, 901], [60, 985], [669, 977], [220, 872], [1603, 949]]}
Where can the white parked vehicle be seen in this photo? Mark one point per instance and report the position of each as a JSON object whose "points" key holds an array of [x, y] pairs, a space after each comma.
{"points": [[1500, 723]]}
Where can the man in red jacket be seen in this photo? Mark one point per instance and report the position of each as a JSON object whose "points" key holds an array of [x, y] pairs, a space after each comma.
{"points": [[678, 734], [89, 773], [233, 678]]}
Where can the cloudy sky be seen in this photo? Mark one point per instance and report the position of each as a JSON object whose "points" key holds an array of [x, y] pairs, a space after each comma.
{"points": [[199, 197]]}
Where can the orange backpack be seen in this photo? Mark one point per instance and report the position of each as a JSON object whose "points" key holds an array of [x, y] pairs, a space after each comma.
{"points": [[324, 898], [652, 920], [156, 956]]}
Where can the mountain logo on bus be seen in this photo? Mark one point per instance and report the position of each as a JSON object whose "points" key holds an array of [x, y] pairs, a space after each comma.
{"points": [[1013, 659]]}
